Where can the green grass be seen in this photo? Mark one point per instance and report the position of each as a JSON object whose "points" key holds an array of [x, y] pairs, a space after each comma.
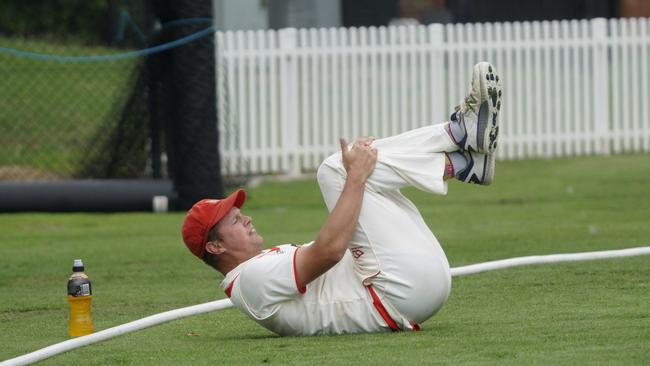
{"points": [[51, 110], [594, 312]]}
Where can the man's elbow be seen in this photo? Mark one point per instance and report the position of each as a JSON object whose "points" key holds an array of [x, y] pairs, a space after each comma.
{"points": [[335, 256], [332, 253]]}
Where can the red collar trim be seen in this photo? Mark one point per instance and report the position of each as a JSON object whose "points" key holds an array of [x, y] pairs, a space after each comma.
{"points": [[228, 290]]}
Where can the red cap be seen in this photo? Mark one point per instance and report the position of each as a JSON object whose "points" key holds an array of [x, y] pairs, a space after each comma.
{"points": [[203, 216]]}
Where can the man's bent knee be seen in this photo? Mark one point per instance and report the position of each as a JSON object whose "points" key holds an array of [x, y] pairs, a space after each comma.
{"points": [[331, 181], [327, 176]]}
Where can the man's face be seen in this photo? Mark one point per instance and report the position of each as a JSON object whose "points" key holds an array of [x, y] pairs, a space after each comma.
{"points": [[238, 233]]}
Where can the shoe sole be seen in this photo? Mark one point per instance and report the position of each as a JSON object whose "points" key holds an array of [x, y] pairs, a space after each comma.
{"points": [[488, 170], [489, 110]]}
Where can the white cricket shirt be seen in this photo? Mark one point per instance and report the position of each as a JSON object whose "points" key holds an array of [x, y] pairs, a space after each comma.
{"points": [[265, 288]]}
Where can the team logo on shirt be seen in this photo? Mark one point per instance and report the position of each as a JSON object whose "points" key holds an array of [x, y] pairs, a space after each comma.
{"points": [[277, 250], [356, 252], [274, 250]]}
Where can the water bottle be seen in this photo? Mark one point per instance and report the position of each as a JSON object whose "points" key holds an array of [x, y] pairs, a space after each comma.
{"points": [[79, 298]]}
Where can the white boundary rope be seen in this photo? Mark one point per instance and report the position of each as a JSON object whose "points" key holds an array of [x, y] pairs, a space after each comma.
{"points": [[149, 321], [164, 317], [551, 258]]}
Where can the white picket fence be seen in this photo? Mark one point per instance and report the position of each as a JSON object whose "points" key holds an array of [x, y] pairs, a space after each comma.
{"points": [[570, 88]]}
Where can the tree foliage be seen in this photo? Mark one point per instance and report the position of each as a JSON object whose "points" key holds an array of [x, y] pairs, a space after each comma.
{"points": [[86, 20]]}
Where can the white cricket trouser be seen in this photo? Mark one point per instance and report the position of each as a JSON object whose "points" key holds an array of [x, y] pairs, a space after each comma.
{"points": [[393, 248]]}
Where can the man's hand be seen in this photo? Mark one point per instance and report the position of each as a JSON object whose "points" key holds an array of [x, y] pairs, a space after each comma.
{"points": [[360, 160]]}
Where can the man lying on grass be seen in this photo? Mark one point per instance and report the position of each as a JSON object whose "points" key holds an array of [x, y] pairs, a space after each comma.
{"points": [[374, 265]]}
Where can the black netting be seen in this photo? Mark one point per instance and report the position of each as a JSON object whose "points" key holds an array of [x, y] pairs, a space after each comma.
{"points": [[64, 119], [118, 148], [149, 116]]}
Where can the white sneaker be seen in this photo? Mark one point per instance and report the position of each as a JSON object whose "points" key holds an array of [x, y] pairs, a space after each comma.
{"points": [[478, 114], [480, 168]]}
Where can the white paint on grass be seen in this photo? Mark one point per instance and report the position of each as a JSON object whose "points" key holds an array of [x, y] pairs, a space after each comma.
{"points": [[156, 319]]}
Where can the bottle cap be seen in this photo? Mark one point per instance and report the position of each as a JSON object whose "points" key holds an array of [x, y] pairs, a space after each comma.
{"points": [[77, 266]]}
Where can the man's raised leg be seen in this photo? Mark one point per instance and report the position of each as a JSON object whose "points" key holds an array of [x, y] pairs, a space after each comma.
{"points": [[393, 248]]}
